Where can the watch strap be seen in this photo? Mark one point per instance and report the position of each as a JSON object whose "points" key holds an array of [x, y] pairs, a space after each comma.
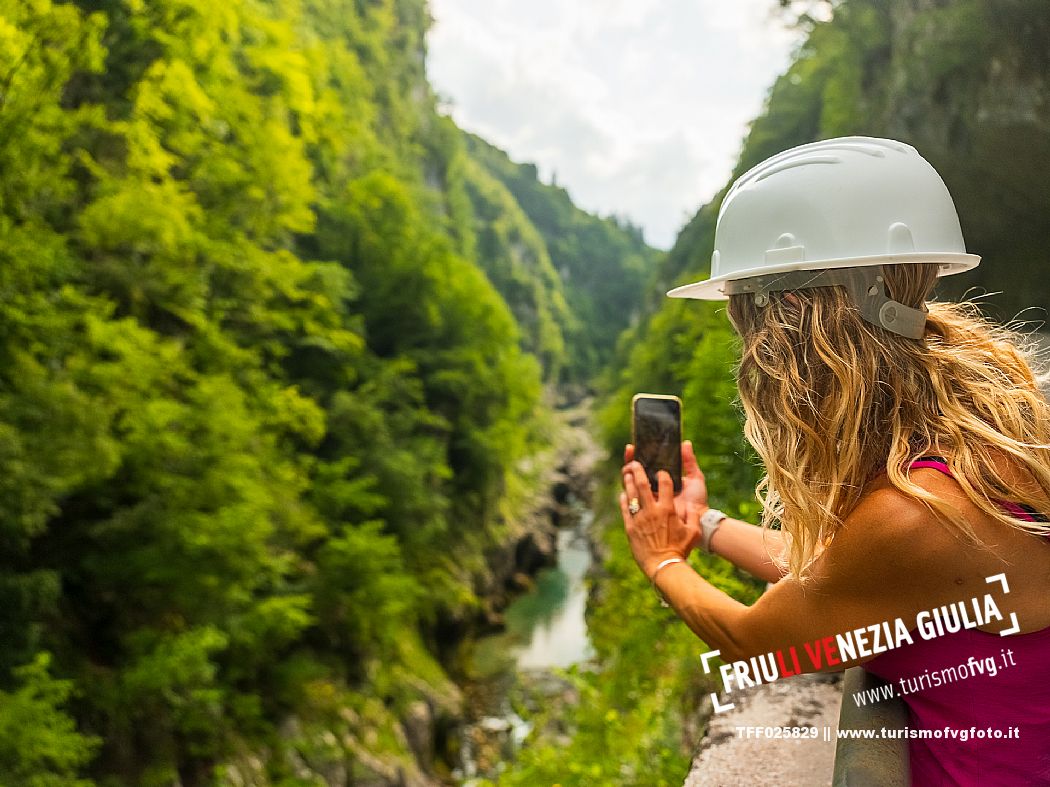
{"points": [[709, 523]]}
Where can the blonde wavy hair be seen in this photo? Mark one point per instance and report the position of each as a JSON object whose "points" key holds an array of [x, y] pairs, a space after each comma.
{"points": [[831, 399]]}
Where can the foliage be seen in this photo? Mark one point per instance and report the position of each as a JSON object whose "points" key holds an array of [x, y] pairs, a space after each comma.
{"points": [[263, 409], [515, 256], [39, 743], [602, 263]]}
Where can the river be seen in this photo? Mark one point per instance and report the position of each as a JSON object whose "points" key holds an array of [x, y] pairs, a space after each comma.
{"points": [[545, 631]]}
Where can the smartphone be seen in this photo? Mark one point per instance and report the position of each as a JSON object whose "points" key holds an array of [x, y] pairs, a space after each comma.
{"points": [[656, 431]]}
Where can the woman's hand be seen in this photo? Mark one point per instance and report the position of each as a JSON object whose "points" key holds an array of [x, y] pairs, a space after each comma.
{"points": [[656, 532], [694, 488]]}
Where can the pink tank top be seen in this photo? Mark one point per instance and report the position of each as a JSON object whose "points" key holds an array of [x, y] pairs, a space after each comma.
{"points": [[1017, 696]]}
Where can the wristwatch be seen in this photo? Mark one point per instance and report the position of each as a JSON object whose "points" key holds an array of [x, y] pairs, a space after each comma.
{"points": [[709, 523]]}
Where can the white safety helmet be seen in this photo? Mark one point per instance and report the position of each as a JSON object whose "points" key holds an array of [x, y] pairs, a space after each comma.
{"points": [[835, 212]]}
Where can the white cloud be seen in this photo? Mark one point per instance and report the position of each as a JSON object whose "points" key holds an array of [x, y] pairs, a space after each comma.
{"points": [[639, 106]]}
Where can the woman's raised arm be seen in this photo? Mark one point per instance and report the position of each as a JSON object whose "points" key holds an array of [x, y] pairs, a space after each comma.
{"points": [[749, 547], [853, 583]]}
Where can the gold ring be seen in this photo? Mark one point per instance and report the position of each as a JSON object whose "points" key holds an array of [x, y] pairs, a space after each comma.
{"points": [[634, 506]]}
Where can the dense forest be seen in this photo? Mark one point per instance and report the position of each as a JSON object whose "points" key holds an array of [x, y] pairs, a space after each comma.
{"points": [[280, 348]]}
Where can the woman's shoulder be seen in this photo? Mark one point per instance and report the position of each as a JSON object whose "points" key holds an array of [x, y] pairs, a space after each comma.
{"points": [[904, 514], [899, 532], [934, 558]]}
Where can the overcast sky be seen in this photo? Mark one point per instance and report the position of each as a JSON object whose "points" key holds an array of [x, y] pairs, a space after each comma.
{"points": [[637, 107]]}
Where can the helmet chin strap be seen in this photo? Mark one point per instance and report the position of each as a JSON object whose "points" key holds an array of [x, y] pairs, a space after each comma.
{"points": [[866, 286]]}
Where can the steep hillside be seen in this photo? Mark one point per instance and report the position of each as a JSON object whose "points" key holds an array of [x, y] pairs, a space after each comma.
{"points": [[272, 358], [602, 263], [968, 84], [514, 255]]}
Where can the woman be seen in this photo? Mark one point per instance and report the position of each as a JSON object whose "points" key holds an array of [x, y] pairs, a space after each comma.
{"points": [[907, 452]]}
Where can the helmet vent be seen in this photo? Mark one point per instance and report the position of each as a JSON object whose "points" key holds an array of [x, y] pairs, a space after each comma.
{"points": [[900, 240], [798, 162]]}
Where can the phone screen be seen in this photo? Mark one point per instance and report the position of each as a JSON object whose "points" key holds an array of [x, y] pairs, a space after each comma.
{"points": [[657, 436]]}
